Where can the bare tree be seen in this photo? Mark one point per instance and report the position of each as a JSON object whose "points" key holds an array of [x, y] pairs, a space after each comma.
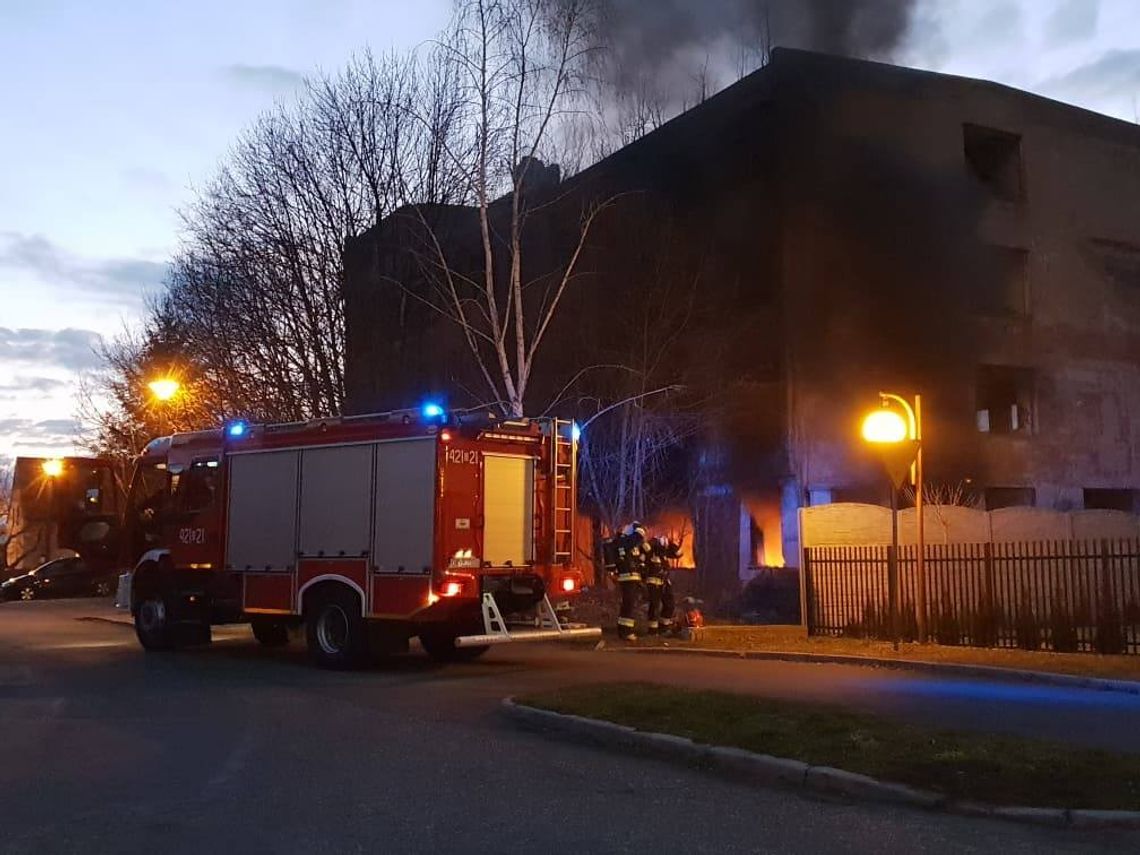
{"points": [[640, 410], [115, 406], [938, 496], [253, 313], [522, 70]]}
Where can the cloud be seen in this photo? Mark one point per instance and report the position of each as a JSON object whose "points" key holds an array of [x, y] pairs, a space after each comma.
{"points": [[116, 280], [1000, 25], [273, 78], [1115, 74], [46, 433], [24, 388], [71, 349], [1072, 21]]}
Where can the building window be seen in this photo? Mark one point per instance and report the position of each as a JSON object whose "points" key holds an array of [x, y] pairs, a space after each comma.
{"points": [[1004, 395], [1112, 500], [994, 159], [1003, 283], [818, 496], [1010, 497]]}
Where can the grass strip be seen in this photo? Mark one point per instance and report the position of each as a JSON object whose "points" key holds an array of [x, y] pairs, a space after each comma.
{"points": [[1000, 770], [792, 640]]}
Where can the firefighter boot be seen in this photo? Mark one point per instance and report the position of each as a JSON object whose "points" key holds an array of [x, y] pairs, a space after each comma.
{"points": [[653, 587], [626, 622], [667, 607]]}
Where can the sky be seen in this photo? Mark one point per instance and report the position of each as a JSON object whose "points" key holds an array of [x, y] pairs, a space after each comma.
{"points": [[112, 111]]}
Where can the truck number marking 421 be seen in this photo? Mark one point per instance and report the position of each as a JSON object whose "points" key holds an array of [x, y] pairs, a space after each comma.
{"points": [[192, 535], [462, 455]]}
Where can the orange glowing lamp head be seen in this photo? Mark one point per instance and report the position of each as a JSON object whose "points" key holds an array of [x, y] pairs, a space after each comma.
{"points": [[53, 468], [885, 426], [164, 388]]}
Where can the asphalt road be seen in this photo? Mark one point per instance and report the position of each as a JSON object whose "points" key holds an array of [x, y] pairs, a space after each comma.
{"points": [[236, 749]]}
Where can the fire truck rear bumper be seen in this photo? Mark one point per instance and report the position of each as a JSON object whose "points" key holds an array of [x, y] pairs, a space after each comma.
{"points": [[517, 635], [545, 627]]}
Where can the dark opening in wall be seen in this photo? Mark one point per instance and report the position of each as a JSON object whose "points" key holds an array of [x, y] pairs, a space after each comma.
{"points": [[1010, 497], [1102, 499], [994, 159], [1004, 396]]}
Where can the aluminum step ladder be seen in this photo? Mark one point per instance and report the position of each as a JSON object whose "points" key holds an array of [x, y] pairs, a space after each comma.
{"points": [[563, 489]]}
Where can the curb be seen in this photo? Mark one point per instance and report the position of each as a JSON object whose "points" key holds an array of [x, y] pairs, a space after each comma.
{"points": [[767, 771], [123, 621], [991, 672]]}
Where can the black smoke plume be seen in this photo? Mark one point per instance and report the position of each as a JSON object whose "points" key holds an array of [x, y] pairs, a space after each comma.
{"points": [[669, 40]]}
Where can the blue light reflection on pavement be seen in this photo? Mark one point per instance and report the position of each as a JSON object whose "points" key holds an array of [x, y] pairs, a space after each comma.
{"points": [[1033, 695]]}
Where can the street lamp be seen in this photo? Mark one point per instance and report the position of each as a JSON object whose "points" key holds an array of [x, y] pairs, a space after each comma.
{"points": [[886, 429], [164, 388]]}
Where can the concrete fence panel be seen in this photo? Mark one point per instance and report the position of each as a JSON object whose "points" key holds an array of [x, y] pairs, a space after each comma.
{"points": [[1022, 524], [945, 524], [1101, 525], [845, 524]]}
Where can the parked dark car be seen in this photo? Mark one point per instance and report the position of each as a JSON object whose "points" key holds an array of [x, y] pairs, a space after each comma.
{"points": [[63, 577]]}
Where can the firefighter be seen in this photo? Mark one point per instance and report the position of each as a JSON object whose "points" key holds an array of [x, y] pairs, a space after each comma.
{"points": [[659, 586], [628, 551]]}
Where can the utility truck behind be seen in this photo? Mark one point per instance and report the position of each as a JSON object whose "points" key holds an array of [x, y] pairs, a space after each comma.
{"points": [[62, 507], [366, 531]]}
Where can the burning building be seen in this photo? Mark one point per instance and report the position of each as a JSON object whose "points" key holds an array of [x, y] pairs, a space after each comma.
{"points": [[821, 230]]}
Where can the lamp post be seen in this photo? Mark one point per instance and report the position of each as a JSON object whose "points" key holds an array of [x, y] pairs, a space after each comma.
{"points": [[886, 428]]}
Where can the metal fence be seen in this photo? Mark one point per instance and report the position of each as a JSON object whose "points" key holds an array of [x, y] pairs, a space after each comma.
{"points": [[1067, 596]]}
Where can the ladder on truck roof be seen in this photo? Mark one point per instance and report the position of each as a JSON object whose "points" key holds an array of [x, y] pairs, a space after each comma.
{"points": [[564, 482]]}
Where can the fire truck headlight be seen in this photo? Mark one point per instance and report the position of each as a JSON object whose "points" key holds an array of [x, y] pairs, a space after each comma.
{"points": [[452, 589], [569, 584]]}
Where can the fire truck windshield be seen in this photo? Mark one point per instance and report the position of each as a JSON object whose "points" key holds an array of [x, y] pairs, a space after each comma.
{"points": [[150, 491], [159, 494], [196, 487]]}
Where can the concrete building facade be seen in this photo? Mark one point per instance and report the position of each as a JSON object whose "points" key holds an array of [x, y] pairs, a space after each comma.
{"points": [[845, 227]]}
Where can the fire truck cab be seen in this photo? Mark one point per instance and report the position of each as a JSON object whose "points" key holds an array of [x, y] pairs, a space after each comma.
{"points": [[366, 530]]}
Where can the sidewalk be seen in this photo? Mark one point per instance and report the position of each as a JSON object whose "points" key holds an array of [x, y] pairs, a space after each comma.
{"points": [[790, 643]]}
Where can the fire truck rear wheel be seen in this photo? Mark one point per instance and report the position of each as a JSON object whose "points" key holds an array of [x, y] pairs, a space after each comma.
{"points": [[335, 631], [440, 646], [271, 633]]}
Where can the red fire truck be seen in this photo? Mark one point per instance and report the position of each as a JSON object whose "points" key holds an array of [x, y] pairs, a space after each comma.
{"points": [[365, 530]]}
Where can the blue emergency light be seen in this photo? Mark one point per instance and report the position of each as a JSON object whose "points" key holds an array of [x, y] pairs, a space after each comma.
{"points": [[432, 410], [236, 429], [575, 431]]}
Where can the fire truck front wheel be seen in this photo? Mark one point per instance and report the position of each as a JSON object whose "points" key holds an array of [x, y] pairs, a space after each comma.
{"points": [[335, 630], [152, 623]]}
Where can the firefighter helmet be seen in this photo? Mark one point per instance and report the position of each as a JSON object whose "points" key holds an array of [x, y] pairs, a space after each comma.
{"points": [[635, 530], [666, 546]]}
